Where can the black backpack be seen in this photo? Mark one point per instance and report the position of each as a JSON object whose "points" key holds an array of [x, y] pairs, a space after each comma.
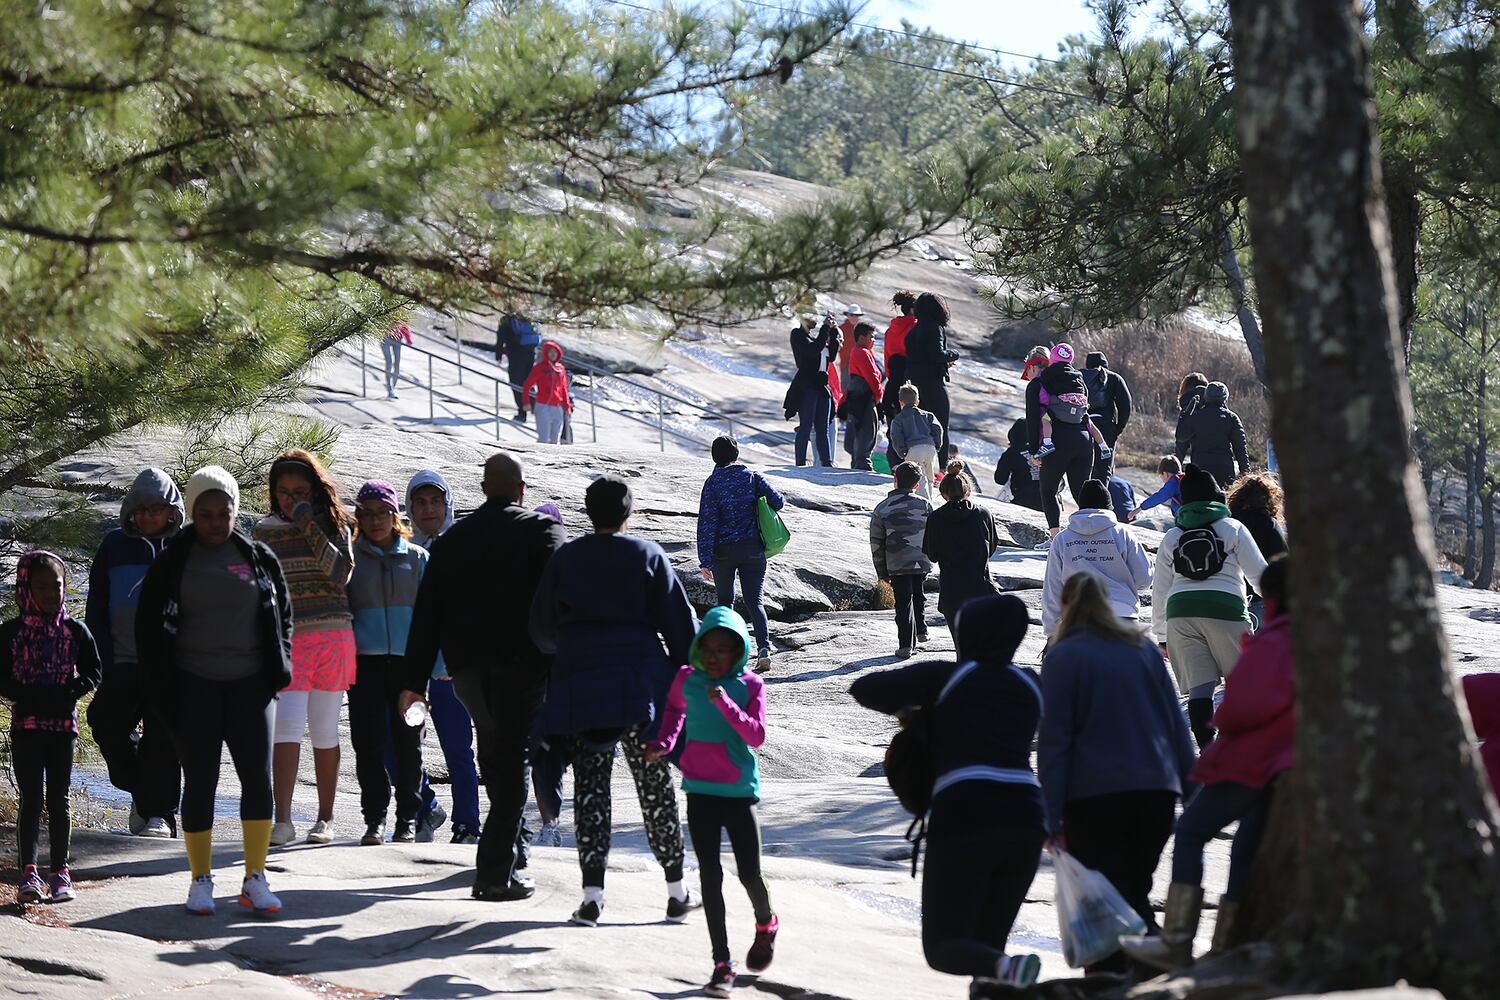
{"points": [[909, 769], [1096, 380], [1199, 554]]}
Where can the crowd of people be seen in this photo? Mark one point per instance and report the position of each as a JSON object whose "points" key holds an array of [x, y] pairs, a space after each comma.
{"points": [[199, 635]]}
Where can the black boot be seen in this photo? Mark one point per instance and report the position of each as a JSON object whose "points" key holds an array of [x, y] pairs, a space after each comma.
{"points": [[1200, 715]]}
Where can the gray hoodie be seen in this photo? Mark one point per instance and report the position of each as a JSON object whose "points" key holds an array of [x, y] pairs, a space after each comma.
{"points": [[427, 477], [121, 564]]}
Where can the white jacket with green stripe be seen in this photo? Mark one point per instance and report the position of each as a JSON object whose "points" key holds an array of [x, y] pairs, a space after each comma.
{"points": [[1221, 596]]}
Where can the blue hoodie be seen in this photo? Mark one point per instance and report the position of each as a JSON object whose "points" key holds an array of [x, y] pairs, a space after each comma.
{"points": [[121, 564]]}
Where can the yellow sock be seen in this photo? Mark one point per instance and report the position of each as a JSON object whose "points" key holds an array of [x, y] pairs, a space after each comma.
{"points": [[257, 836], [200, 850]]}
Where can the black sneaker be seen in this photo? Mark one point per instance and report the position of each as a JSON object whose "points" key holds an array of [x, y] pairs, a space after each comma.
{"points": [[721, 982], [374, 834], [463, 835], [406, 832], [678, 909], [587, 915], [764, 948], [518, 888]]}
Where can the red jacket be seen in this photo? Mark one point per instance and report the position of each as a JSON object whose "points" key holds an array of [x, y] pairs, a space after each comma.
{"points": [[835, 386], [548, 380], [1482, 691], [895, 337], [1257, 720], [862, 363]]}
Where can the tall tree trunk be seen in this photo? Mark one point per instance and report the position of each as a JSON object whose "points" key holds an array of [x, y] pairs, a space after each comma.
{"points": [[1471, 509], [1397, 874], [1486, 575], [1405, 214], [1229, 263]]}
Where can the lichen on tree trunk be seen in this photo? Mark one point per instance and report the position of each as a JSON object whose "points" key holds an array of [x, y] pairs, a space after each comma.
{"points": [[1396, 846]]}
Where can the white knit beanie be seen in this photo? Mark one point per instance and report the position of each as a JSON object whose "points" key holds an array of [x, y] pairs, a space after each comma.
{"points": [[210, 477]]}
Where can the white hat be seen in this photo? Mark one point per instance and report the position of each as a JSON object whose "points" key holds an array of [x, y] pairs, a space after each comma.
{"points": [[853, 309], [210, 477]]}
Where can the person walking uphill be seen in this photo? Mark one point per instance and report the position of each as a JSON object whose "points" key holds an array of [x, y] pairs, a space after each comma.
{"points": [[729, 541], [151, 514], [429, 501], [915, 436], [215, 636], [1095, 542], [1109, 408], [47, 662], [1198, 606], [473, 606], [1114, 752], [897, 528], [985, 826], [606, 604], [895, 351], [960, 538], [1214, 436], [1066, 407], [928, 359], [516, 340], [312, 536], [809, 397], [545, 392], [724, 709], [382, 591]]}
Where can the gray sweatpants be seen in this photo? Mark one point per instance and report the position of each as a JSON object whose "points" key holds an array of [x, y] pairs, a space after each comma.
{"points": [[549, 423], [1203, 650]]}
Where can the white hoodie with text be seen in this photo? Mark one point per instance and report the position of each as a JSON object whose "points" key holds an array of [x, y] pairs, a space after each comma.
{"points": [[1095, 542]]}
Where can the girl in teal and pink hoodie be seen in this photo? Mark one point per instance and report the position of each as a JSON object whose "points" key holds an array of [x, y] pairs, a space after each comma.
{"points": [[724, 709]]}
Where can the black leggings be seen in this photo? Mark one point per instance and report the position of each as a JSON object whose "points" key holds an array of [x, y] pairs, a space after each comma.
{"points": [[972, 888], [709, 817], [935, 401], [1074, 458], [43, 760], [373, 719], [209, 715]]}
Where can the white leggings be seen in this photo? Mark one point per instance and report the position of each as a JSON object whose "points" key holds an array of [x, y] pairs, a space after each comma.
{"points": [[318, 711]]}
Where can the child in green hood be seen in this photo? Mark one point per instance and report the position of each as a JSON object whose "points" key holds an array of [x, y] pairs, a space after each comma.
{"points": [[724, 708]]}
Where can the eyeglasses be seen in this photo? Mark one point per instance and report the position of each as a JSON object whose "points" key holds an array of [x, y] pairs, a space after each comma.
{"points": [[154, 509], [374, 515], [294, 496]]}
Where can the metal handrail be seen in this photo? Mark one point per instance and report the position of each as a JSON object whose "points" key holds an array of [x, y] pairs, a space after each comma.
{"points": [[432, 391], [782, 437]]}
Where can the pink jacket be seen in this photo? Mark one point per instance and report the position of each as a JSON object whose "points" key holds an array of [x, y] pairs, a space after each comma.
{"points": [[548, 380], [1482, 691], [400, 333], [1257, 721]]}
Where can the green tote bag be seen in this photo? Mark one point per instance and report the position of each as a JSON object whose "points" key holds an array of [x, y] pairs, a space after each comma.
{"points": [[773, 533]]}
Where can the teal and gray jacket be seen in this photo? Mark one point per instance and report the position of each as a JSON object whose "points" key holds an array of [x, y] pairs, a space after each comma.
{"points": [[382, 592]]}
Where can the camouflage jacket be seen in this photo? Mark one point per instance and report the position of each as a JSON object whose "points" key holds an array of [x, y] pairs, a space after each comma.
{"points": [[896, 530]]}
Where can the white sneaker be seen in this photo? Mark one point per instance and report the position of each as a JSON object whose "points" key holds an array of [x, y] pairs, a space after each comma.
{"points": [[200, 901], [549, 836], [283, 833], [137, 822], [321, 832], [763, 662], [431, 823], [255, 894], [155, 827]]}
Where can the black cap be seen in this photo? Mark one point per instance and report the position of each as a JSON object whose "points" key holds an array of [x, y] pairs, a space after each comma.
{"points": [[608, 501], [1199, 484], [724, 450], [1094, 495], [1096, 359]]}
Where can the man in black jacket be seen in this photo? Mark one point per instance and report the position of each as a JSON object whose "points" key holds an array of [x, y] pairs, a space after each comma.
{"points": [[1214, 436], [1109, 406], [474, 605]]}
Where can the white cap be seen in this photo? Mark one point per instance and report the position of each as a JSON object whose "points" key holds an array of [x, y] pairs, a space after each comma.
{"points": [[853, 309], [210, 477]]}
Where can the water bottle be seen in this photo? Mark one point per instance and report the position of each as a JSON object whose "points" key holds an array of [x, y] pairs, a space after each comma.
{"points": [[416, 714]]}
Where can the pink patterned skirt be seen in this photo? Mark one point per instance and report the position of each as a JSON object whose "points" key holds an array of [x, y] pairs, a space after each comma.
{"points": [[323, 660]]}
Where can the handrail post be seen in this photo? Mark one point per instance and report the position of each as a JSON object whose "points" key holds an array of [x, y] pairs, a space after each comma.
{"points": [[458, 354], [594, 407], [497, 409], [431, 417], [661, 422], [364, 392]]}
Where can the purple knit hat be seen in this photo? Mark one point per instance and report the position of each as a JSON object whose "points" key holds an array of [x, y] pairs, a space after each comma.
{"points": [[379, 491], [1063, 353], [551, 510]]}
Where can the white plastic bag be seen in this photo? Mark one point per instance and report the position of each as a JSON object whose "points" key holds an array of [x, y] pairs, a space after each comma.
{"points": [[1091, 914]]}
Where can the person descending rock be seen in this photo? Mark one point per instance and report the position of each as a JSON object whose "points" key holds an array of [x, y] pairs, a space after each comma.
{"points": [[1058, 396], [311, 534], [1095, 542], [1016, 470], [387, 571], [915, 437], [606, 605], [1109, 409], [1255, 501], [1114, 752], [1257, 727], [429, 502], [1198, 604], [985, 827], [1170, 470], [215, 637], [47, 662], [960, 538], [146, 768], [809, 398], [390, 350], [895, 351], [1214, 436], [474, 604], [723, 708], [928, 359], [545, 392], [861, 396], [516, 341], [897, 528], [729, 541]]}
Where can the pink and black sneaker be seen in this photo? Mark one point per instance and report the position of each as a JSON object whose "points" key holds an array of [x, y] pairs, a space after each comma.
{"points": [[60, 886], [32, 888], [721, 982], [764, 948]]}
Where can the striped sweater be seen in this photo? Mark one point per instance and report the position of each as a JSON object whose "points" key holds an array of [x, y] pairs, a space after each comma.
{"points": [[317, 569]]}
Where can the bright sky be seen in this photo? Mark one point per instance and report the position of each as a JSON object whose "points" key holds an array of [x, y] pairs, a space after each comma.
{"points": [[1033, 27]]}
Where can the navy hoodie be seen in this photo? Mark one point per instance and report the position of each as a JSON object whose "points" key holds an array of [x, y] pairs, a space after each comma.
{"points": [[121, 564]]}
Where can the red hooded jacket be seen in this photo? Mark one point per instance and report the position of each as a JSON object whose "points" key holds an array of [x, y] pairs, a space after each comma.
{"points": [[1257, 720], [548, 380], [1482, 691]]}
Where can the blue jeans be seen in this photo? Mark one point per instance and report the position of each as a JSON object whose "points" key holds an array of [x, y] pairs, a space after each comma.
{"points": [[549, 763], [815, 420], [390, 352], [1211, 810], [456, 736], [747, 558]]}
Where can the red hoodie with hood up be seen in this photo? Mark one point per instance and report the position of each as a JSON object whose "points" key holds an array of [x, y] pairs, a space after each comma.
{"points": [[548, 381]]}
